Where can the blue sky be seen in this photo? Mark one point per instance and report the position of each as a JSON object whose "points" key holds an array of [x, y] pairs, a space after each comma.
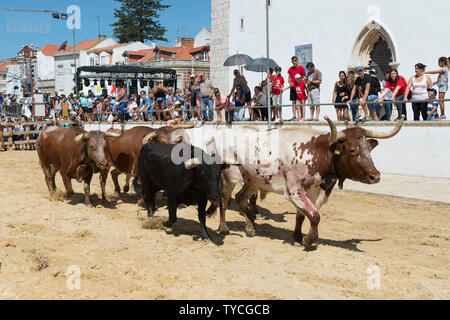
{"points": [[185, 18]]}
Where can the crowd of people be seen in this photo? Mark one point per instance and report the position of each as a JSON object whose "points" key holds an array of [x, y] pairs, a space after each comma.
{"points": [[199, 99]]}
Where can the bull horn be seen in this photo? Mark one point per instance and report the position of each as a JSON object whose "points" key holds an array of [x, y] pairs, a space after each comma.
{"points": [[192, 163], [150, 137], [386, 135], [183, 126], [80, 138], [335, 136], [114, 135]]}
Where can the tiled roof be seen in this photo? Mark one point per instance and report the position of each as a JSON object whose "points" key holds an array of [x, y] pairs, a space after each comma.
{"points": [[181, 53], [109, 48], [4, 66], [51, 49], [87, 44], [145, 55]]}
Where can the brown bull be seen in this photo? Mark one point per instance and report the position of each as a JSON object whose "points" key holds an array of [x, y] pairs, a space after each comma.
{"points": [[125, 151], [76, 154]]}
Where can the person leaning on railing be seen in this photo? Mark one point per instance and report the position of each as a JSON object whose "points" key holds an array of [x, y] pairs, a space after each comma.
{"points": [[396, 85]]}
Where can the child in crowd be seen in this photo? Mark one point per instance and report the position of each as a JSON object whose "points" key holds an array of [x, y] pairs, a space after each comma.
{"points": [[277, 81], [432, 113], [300, 89], [442, 82]]}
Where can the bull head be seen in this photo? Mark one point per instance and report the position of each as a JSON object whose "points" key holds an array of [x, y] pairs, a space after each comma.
{"points": [[350, 150]]}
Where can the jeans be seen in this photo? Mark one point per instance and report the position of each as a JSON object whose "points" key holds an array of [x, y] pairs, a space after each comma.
{"points": [[229, 115], [239, 114], [388, 111], [401, 107], [207, 103], [373, 106], [354, 109]]}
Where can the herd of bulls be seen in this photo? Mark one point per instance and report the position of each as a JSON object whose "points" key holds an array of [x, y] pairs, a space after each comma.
{"points": [[305, 166]]}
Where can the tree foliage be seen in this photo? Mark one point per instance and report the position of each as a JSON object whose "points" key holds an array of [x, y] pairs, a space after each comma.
{"points": [[138, 20]]}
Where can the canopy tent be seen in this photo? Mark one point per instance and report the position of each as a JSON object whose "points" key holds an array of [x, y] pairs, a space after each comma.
{"points": [[121, 73]]}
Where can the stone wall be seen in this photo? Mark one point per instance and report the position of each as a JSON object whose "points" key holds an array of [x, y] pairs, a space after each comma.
{"points": [[220, 21]]}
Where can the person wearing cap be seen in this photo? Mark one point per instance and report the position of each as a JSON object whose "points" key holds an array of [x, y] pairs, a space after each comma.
{"points": [[362, 86], [277, 82], [300, 91], [375, 88], [432, 107]]}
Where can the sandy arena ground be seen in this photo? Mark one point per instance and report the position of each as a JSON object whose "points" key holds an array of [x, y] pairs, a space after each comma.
{"points": [[40, 238]]}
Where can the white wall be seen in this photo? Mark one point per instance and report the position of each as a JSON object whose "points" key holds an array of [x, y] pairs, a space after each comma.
{"points": [[136, 46], [417, 27], [203, 38], [13, 79], [45, 66], [415, 151], [64, 83]]}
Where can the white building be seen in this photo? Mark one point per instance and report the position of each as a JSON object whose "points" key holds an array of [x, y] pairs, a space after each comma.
{"points": [[203, 38], [334, 34]]}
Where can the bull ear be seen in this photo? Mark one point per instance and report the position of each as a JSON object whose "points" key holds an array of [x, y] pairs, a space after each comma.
{"points": [[192, 163], [373, 143]]}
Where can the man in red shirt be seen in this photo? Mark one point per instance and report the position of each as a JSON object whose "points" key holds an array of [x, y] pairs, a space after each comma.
{"points": [[277, 81], [293, 71]]}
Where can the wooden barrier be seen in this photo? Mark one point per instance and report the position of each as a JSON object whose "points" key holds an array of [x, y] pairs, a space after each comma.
{"points": [[27, 134]]}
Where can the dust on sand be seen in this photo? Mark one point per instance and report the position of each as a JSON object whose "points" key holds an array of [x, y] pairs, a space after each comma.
{"points": [[40, 238]]}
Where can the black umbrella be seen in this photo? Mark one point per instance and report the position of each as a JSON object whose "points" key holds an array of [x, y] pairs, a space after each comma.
{"points": [[237, 60], [260, 65]]}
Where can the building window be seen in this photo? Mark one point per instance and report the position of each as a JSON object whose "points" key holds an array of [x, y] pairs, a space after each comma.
{"points": [[127, 60], [172, 55], [102, 60], [242, 23], [205, 55], [92, 61], [158, 56]]}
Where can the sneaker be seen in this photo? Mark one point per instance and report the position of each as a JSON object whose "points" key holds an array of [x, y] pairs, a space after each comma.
{"points": [[293, 119], [442, 117], [309, 120], [302, 119]]}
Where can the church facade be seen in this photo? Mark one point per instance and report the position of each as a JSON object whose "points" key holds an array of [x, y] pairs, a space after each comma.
{"points": [[336, 35]]}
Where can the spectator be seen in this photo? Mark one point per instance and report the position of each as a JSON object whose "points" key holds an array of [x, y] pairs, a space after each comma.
{"points": [[362, 85], [176, 113], [58, 107], [277, 82], [259, 100], [239, 80], [418, 85], [432, 107], [293, 71], [65, 107], [84, 106], [442, 82], [340, 91], [239, 102], [194, 90], [388, 97], [300, 91], [17, 138], [397, 86], [159, 92], [313, 82], [350, 80], [222, 103], [206, 94], [121, 101], [90, 108], [143, 114], [375, 88]]}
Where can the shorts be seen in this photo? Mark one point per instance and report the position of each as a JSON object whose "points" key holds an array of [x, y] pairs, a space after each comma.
{"points": [[443, 88], [277, 100], [314, 97], [293, 94], [90, 110], [248, 97]]}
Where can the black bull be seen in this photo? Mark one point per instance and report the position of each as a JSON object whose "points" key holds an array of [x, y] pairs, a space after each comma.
{"points": [[192, 181]]}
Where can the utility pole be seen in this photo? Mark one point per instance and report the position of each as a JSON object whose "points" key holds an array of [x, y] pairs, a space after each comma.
{"points": [[268, 67], [98, 26]]}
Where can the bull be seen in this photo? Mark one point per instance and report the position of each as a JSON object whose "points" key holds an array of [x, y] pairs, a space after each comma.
{"points": [[305, 170], [192, 181], [76, 154], [125, 151]]}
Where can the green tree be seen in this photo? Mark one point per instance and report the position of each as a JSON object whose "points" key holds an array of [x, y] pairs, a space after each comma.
{"points": [[138, 21]]}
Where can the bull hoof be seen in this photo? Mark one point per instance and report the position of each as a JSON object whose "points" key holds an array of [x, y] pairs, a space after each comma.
{"points": [[126, 189], [89, 204], [206, 240], [167, 224], [117, 193], [297, 244], [141, 203], [224, 230], [250, 233], [69, 195], [307, 242]]}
